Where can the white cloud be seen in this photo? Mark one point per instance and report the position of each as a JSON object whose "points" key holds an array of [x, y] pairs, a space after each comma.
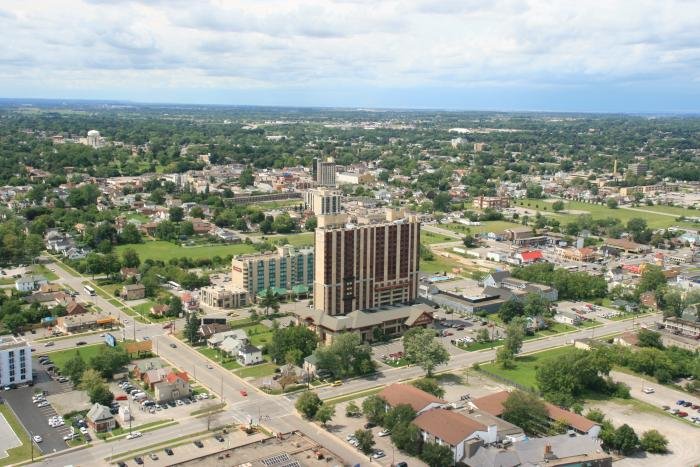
{"points": [[316, 43]]}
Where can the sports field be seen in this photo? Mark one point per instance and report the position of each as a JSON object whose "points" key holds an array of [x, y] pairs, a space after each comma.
{"points": [[164, 251]]}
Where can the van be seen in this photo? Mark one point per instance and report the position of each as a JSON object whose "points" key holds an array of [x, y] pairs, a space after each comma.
{"points": [[139, 396]]}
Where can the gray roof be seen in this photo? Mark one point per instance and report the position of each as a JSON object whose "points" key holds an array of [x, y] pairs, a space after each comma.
{"points": [[498, 276], [361, 319], [98, 412]]}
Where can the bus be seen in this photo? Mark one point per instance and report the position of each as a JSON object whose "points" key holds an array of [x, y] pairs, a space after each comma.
{"points": [[89, 290], [174, 285]]}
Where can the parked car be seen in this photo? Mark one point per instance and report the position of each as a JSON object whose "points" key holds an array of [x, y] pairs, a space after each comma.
{"points": [[682, 414], [384, 433], [79, 343], [648, 390], [134, 435], [369, 425], [138, 460], [153, 456], [120, 397], [169, 451], [37, 439], [219, 438], [199, 444], [378, 454], [244, 393], [337, 383]]}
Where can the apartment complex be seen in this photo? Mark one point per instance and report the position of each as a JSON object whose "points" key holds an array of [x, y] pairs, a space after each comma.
{"points": [[286, 270], [639, 169], [323, 201], [491, 202], [366, 266], [15, 361], [324, 171]]}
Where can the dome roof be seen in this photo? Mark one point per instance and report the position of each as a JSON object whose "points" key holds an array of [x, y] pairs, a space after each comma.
{"points": [[93, 133]]}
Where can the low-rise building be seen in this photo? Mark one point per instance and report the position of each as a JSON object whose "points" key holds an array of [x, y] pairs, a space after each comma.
{"points": [[15, 361], [567, 317], [30, 283], [491, 202], [419, 400], [216, 296], [133, 292], [100, 419], [175, 386], [85, 321]]}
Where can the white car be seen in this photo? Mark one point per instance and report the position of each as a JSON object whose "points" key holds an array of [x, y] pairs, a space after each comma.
{"points": [[135, 434], [37, 439], [378, 454], [43, 403], [49, 344], [384, 433], [648, 390], [83, 430]]}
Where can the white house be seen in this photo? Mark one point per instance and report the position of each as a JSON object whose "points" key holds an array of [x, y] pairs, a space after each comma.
{"points": [[217, 339], [566, 317], [30, 283], [245, 353]]}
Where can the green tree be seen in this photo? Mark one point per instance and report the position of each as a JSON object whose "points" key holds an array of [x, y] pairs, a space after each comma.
{"points": [[298, 338], [175, 306], [536, 305], [429, 385], [345, 356], [352, 410], [558, 206], [526, 411], [442, 202], [626, 440], [130, 234], [176, 214], [611, 203], [311, 224], [325, 413], [437, 455], [246, 178], [374, 409], [482, 335], [510, 309], [654, 442], [652, 279], [365, 440], [283, 223], [130, 258], [109, 361], [422, 349], [308, 404], [270, 300], [197, 212], [401, 414], [649, 338], [74, 368], [407, 438], [192, 328]]}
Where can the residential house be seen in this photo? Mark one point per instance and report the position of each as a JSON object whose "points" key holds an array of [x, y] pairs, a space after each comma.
{"points": [[140, 367], [160, 309], [245, 353], [100, 419], [420, 401], [30, 283], [216, 339], [208, 330], [567, 317], [627, 339], [174, 386], [128, 273], [154, 376], [133, 292], [75, 308]]}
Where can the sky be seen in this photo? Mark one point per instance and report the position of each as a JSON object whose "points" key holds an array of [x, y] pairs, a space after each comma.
{"points": [[563, 55]]}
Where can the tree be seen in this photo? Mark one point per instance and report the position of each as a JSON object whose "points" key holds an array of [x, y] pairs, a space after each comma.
{"points": [[197, 212], [175, 306], [289, 377], [74, 368], [100, 394], [611, 203], [308, 404], [430, 386], [558, 206], [536, 305], [311, 224], [422, 349], [352, 410], [515, 333], [510, 309], [283, 223], [526, 411], [130, 234], [563, 378], [109, 361], [649, 338], [297, 338], [325, 413], [365, 440], [482, 335], [270, 300], [401, 414], [654, 442], [90, 378], [345, 356], [176, 214], [130, 259], [407, 438], [626, 440], [191, 328], [437, 455], [442, 202], [652, 279], [246, 178], [374, 409]]}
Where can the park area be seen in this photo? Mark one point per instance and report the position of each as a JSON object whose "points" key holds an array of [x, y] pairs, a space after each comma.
{"points": [[525, 366], [165, 251]]}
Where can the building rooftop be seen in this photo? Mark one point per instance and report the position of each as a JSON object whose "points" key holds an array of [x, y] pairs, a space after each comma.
{"points": [[397, 394], [9, 342], [447, 425]]}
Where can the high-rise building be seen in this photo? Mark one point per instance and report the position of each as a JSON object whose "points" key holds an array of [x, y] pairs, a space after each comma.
{"points": [[287, 268], [323, 201], [94, 139], [325, 172], [366, 266], [639, 169], [15, 361]]}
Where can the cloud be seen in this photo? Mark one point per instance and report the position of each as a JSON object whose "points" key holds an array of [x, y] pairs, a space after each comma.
{"points": [[334, 44]]}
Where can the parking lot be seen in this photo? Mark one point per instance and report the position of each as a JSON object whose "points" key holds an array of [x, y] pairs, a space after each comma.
{"points": [[35, 419]]}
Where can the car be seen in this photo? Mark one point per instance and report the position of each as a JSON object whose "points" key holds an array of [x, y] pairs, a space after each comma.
{"points": [[666, 407], [695, 407], [680, 402], [186, 401], [121, 464], [79, 343], [199, 444], [102, 335], [402, 464], [153, 456], [378, 454], [120, 397], [350, 437], [219, 438], [43, 403], [63, 379], [384, 433], [146, 338], [138, 460], [69, 437], [171, 403], [49, 344], [83, 429], [179, 402], [648, 390], [174, 346], [169, 451], [37, 439], [134, 435], [243, 392], [337, 383], [210, 366], [687, 404], [369, 425]]}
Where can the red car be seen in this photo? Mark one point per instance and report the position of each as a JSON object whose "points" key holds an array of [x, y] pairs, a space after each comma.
{"points": [[682, 414], [120, 397], [244, 393]]}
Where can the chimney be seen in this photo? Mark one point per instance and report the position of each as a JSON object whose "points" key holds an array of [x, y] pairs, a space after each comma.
{"points": [[548, 454]]}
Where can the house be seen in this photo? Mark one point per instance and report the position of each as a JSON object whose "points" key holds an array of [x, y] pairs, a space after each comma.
{"points": [[245, 353], [133, 292], [75, 308], [154, 376], [160, 309], [648, 300], [493, 404], [208, 330], [140, 367], [128, 273], [446, 427], [174, 386], [100, 419], [529, 256], [627, 339], [567, 317], [30, 283], [50, 288], [216, 339], [421, 401]]}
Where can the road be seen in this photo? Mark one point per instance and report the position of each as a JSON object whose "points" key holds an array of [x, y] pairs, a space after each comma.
{"points": [[276, 413]]}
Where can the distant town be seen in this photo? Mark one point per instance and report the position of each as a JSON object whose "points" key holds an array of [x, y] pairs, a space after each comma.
{"points": [[276, 287]]}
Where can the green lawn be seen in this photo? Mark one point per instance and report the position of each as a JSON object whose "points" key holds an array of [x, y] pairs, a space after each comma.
{"points": [[213, 355], [485, 227], [259, 334], [598, 211], [428, 238], [164, 251], [60, 357], [675, 210], [22, 452], [439, 264], [257, 371], [44, 271], [526, 365], [298, 239]]}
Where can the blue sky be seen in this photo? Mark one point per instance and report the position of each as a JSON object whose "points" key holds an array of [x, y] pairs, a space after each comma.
{"points": [[610, 56]]}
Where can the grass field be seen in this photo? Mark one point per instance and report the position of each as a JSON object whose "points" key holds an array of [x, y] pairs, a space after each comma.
{"points": [[428, 238], [598, 211], [675, 210], [44, 271], [439, 264], [257, 371], [213, 355], [298, 239], [485, 227], [18, 453], [525, 366], [60, 357], [164, 251]]}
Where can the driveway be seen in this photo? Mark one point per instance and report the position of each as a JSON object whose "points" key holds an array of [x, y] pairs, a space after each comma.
{"points": [[661, 396]]}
